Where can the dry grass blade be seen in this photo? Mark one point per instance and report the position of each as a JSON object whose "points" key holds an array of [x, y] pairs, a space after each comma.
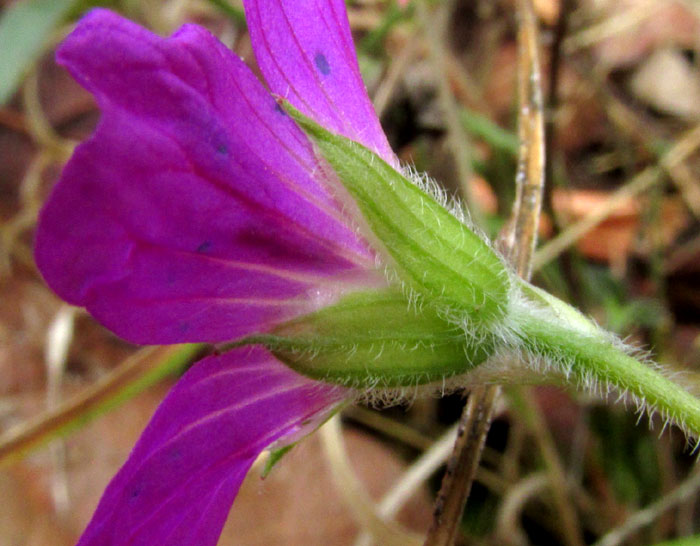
{"points": [[141, 369], [624, 21], [556, 474], [683, 492], [513, 504], [687, 144], [58, 340], [383, 530], [476, 418], [435, 29]]}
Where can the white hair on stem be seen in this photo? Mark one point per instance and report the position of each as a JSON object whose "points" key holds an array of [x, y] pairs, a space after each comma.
{"points": [[502, 328]]}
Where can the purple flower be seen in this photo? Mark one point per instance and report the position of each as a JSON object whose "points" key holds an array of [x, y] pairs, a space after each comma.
{"points": [[198, 212]]}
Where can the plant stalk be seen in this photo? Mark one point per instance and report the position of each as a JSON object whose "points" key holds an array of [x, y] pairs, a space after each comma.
{"points": [[520, 244], [598, 361]]}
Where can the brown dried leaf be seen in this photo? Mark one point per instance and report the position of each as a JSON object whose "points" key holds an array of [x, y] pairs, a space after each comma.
{"points": [[615, 238], [669, 23], [668, 82]]}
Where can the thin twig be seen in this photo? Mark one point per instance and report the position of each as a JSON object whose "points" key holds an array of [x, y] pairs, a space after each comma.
{"points": [[682, 255], [531, 155], [569, 272], [424, 467], [568, 519], [644, 517], [38, 124], [58, 341], [509, 531], [384, 530], [631, 123], [553, 95], [434, 26], [474, 425], [476, 418], [419, 471], [392, 78]]}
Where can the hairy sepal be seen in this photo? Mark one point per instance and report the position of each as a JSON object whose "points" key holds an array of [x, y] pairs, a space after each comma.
{"points": [[375, 340], [432, 252], [455, 271]]}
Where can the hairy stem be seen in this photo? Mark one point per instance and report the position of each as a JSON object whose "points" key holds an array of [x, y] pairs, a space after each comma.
{"points": [[599, 360]]}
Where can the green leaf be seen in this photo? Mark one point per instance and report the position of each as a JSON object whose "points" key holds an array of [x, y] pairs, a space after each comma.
{"points": [[234, 13], [375, 339], [434, 253], [25, 29], [685, 541], [372, 43], [482, 127]]}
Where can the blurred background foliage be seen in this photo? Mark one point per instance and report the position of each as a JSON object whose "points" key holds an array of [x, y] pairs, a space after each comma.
{"points": [[620, 238]]}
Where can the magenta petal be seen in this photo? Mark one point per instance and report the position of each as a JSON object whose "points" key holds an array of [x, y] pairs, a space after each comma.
{"points": [[305, 51], [178, 484], [196, 212]]}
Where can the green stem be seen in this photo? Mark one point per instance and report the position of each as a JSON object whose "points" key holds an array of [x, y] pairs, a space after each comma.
{"points": [[597, 357]]}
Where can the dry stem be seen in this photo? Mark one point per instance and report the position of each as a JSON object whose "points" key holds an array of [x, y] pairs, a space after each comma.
{"points": [[477, 415], [644, 517], [435, 26]]}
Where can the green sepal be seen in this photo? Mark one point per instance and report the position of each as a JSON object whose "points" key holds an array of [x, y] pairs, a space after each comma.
{"points": [[438, 257], [375, 339], [432, 251], [277, 454], [275, 457]]}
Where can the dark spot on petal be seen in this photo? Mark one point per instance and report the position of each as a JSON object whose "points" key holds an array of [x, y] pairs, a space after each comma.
{"points": [[279, 109], [222, 149], [171, 277], [204, 247], [175, 455], [136, 492], [322, 64]]}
